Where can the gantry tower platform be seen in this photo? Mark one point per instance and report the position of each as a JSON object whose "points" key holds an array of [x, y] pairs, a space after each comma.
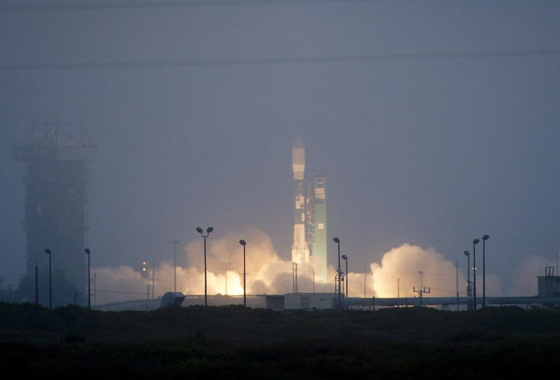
{"points": [[57, 159]]}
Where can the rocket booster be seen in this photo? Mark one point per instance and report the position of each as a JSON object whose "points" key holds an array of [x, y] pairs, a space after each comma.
{"points": [[300, 250], [298, 160]]}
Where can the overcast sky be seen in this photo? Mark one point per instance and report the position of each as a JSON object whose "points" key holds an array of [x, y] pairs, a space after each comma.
{"points": [[433, 152]]}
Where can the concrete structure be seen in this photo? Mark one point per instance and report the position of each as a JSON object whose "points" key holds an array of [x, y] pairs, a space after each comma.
{"points": [[56, 158], [309, 301]]}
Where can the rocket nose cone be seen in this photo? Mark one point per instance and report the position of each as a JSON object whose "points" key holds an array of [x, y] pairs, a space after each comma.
{"points": [[298, 143]]}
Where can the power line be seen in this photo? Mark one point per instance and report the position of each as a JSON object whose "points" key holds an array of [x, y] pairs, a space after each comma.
{"points": [[163, 4], [395, 57]]}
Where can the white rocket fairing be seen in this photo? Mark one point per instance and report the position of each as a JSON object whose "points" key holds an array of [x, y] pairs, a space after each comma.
{"points": [[300, 249], [298, 160]]}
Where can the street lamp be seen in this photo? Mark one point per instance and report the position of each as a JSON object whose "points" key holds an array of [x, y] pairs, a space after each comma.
{"points": [[474, 243], [468, 254], [201, 232], [48, 252], [484, 238], [337, 241], [345, 258], [87, 251], [243, 243]]}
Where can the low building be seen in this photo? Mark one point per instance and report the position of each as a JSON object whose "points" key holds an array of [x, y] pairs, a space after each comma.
{"points": [[309, 301], [275, 302]]}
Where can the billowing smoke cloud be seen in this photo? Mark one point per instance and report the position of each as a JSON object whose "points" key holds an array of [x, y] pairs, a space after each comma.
{"points": [[268, 274], [356, 284], [399, 273], [400, 267], [263, 263]]}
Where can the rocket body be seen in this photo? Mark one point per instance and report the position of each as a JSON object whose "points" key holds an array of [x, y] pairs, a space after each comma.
{"points": [[300, 249], [298, 160]]}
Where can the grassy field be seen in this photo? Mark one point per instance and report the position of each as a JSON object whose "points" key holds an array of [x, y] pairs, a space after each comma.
{"points": [[234, 342]]}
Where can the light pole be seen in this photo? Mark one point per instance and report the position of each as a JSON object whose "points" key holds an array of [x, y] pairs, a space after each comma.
{"points": [[468, 254], [201, 232], [337, 241], [484, 238], [345, 258], [48, 252], [243, 243], [174, 242], [88, 252], [422, 289], [474, 243]]}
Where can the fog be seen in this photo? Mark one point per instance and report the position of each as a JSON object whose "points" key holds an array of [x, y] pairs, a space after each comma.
{"points": [[424, 153]]}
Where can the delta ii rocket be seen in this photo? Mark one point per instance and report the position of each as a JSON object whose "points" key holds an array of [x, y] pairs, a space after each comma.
{"points": [[300, 248]]}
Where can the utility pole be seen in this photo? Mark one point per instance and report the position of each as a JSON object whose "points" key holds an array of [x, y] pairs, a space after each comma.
{"points": [[421, 292], [422, 289], [174, 242]]}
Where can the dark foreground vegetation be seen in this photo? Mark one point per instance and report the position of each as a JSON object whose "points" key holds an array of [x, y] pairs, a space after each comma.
{"points": [[234, 342]]}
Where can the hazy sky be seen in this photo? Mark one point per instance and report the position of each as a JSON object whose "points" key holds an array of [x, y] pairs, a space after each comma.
{"points": [[431, 152]]}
